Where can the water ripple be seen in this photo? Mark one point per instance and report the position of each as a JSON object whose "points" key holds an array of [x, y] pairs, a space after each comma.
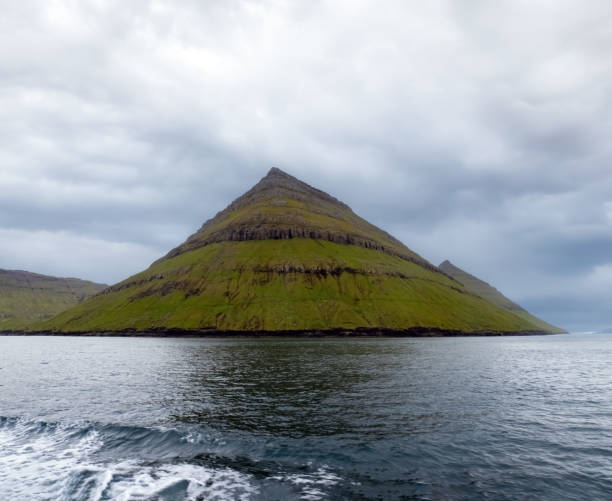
{"points": [[172, 419]]}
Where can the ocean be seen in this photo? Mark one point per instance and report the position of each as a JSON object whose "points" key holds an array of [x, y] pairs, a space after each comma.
{"points": [[499, 418]]}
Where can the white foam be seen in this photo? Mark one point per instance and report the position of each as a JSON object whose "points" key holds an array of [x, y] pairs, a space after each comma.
{"points": [[57, 463], [139, 483], [36, 465], [54, 465], [311, 484]]}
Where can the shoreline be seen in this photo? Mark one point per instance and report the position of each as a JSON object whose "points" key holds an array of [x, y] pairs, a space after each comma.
{"points": [[312, 333]]}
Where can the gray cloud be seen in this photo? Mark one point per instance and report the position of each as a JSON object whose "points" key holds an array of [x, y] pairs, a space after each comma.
{"points": [[473, 131]]}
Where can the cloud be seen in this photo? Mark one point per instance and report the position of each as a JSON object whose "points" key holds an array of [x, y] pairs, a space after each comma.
{"points": [[473, 131], [63, 254]]}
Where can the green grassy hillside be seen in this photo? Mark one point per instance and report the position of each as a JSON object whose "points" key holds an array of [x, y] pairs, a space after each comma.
{"points": [[491, 294], [26, 298], [286, 285], [288, 257]]}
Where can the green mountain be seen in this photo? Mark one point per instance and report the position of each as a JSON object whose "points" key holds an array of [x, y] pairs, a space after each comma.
{"points": [[26, 298], [491, 294], [288, 257]]}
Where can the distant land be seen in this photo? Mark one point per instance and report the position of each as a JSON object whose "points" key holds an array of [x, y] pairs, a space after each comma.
{"points": [[491, 294], [606, 331], [26, 298], [287, 258]]}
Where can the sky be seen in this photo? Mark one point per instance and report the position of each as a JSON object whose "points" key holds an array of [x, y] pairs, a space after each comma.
{"points": [[473, 131]]}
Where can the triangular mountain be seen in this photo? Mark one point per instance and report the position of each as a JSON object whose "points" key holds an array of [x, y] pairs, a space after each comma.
{"points": [[491, 294], [287, 257], [281, 207], [26, 298]]}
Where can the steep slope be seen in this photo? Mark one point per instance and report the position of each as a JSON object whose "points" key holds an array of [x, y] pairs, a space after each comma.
{"points": [[288, 257], [283, 207], [491, 294], [26, 298]]}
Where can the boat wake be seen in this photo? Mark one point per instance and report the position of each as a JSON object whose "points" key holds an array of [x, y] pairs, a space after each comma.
{"points": [[98, 462]]}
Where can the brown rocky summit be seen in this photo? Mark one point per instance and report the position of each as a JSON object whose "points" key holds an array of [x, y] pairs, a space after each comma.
{"points": [[281, 206]]}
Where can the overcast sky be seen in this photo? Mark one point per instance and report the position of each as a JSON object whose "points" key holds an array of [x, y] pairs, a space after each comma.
{"points": [[475, 131]]}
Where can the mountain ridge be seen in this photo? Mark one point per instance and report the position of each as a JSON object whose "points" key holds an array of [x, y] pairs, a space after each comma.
{"points": [[491, 294], [289, 223], [26, 297], [287, 257]]}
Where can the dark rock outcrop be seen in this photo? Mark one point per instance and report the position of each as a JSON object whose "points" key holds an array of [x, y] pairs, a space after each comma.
{"points": [[303, 212]]}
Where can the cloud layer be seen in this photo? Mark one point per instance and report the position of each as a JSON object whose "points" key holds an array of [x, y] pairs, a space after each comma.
{"points": [[473, 131]]}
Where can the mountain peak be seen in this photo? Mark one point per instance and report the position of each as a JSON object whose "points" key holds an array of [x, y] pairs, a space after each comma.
{"points": [[281, 207], [279, 184], [275, 171], [278, 176]]}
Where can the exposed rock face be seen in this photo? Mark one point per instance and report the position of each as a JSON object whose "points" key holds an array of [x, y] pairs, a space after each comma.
{"points": [[279, 184], [283, 207]]}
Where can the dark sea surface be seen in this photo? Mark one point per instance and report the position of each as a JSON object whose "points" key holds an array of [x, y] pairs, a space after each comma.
{"points": [[244, 418]]}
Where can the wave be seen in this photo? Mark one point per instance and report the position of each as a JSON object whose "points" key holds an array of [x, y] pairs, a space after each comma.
{"points": [[102, 462]]}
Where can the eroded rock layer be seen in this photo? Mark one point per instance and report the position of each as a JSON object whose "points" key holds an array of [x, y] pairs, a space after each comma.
{"points": [[283, 207]]}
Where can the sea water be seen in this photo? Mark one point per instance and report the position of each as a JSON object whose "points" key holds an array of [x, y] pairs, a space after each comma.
{"points": [[245, 418]]}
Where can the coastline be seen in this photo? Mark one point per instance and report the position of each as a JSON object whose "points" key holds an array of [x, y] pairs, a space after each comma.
{"points": [[312, 333]]}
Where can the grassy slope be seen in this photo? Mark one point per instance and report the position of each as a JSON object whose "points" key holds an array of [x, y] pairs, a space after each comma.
{"points": [[274, 211], [491, 294], [342, 221], [240, 286], [26, 298]]}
